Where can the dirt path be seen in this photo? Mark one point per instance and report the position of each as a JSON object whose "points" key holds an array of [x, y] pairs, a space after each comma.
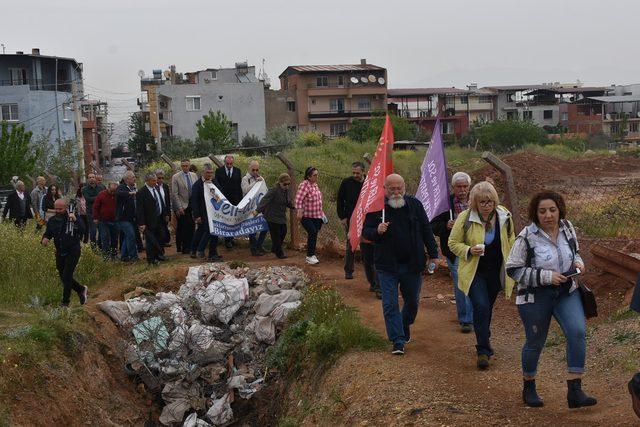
{"points": [[436, 382]]}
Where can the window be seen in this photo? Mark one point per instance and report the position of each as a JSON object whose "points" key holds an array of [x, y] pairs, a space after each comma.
{"points": [[547, 114], [614, 128], [633, 127], [18, 76], [364, 104], [510, 115], [484, 117], [144, 97], [322, 81], [193, 103], [291, 105], [340, 80], [313, 101], [338, 129], [565, 116], [292, 128], [336, 104], [234, 132], [464, 99], [484, 99], [214, 75], [511, 97], [9, 112], [527, 115], [66, 108], [447, 127]]}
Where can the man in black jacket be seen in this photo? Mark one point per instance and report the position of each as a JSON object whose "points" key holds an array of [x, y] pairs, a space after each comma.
{"points": [[165, 197], [18, 206], [229, 180], [202, 235], [345, 204], [149, 210], [442, 225], [399, 242], [126, 216], [65, 231]]}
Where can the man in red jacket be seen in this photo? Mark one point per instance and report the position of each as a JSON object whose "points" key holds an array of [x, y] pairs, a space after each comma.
{"points": [[104, 216]]}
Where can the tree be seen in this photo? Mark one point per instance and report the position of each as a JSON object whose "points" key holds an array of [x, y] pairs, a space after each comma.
{"points": [[16, 155], [214, 133], [141, 141], [367, 130], [511, 134], [60, 159], [281, 135], [179, 148]]}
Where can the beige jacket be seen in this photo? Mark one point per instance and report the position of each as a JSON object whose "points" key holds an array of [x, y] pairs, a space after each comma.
{"points": [[180, 190]]}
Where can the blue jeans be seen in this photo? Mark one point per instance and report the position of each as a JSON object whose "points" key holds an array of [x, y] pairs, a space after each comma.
{"points": [[551, 301], [463, 303], [108, 238], [129, 250], [312, 226], [255, 243], [483, 293], [397, 323]]}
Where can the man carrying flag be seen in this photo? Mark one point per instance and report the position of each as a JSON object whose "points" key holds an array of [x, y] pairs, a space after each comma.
{"points": [[399, 229]]}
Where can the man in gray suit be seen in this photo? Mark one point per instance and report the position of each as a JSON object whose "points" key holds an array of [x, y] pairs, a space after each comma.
{"points": [[181, 184]]}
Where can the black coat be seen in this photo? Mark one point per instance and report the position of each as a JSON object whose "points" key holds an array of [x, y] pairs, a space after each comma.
{"points": [[125, 204], [348, 197], [197, 202], [66, 239], [420, 237], [146, 209], [230, 187], [273, 205], [13, 206], [439, 225], [166, 207]]}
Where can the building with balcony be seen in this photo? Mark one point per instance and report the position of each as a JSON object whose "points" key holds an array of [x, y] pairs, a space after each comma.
{"points": [[97, 150], [37, 91], [174, 102], [327, 98]]}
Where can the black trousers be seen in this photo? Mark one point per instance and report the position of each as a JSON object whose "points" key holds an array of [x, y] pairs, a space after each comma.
{"points": [[184, 232], [201, 238], [349, 259], [66, 265], [278, 232], [366, 249], [152, 238]]}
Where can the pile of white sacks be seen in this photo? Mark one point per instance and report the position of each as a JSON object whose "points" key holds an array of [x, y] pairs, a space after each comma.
{"points": [[205, 345]]}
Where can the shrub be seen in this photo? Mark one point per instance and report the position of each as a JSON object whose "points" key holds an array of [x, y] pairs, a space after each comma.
{"points": [[574, 143], [508, 135], [309, 139], [179, 148], [281, 135]]}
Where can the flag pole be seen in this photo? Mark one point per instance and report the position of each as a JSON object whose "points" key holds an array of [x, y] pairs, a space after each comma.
{"points": [[382, 214]]}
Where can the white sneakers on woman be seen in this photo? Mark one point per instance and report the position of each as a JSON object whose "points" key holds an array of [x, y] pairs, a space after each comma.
{"points": [[312, 260]]}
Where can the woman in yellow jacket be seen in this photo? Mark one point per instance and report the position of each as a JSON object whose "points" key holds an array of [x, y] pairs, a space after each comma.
{"points": [[481, 238]]}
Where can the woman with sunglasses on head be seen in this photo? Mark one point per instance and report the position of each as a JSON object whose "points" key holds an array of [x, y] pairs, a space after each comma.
{"points": [[273, 206], [481, 238], [541, 261], [309, 212]]}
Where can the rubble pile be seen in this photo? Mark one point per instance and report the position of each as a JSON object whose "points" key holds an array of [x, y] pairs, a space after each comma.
{"points": [[204, 346]]}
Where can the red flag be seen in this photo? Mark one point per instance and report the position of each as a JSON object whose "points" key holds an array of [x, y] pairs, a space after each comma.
{"points": [[371, 198]]}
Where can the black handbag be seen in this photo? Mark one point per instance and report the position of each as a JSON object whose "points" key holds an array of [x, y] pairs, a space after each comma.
{"points": [[588, 301]]}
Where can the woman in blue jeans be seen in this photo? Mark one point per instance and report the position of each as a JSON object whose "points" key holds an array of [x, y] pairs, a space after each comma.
{"points": [[540, 261]]}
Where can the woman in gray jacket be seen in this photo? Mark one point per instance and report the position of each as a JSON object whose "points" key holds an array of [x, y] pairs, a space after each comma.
{"points": [[542, 261], [273, 206]]}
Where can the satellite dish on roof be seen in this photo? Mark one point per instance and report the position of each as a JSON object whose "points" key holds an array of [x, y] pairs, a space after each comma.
{"points": [[363, 79], [141, 73], [607, 116], [167, 73], [354, 80], [372, 78], [381, 80], [638, 114]]}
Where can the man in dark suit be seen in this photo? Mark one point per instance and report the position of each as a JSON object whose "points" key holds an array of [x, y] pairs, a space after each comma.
{"points": [[18, 206], [126, 216], [149, 210], [230, 180], [165, 197], [202, 236]]}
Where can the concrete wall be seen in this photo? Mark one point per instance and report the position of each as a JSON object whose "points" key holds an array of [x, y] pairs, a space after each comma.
{"points": [[276, 112], [242, 103], [538, 114]]}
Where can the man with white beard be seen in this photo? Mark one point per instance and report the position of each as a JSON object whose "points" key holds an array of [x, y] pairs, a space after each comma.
{"points": [[399, 257]]}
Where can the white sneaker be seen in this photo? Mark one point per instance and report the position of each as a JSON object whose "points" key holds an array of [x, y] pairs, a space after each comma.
{"points": [[312, 260], [315, 258]]}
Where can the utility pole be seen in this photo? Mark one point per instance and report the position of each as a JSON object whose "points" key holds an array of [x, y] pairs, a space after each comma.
{"points": [[55, 99], [159, 132], [79, 136]]}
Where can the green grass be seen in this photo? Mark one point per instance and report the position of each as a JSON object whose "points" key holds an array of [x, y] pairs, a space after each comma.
{"points": [[320, 330], [623, 337], [624, 314], [28, 269]]}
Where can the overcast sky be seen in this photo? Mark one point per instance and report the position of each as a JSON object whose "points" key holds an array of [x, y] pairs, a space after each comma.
{"points": [[421, 43]]}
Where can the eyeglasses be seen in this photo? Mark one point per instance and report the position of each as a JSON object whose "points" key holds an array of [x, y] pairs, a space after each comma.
{"points": [[486, 202]]}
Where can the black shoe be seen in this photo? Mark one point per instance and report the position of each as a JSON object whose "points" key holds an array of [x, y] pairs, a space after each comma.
{"points": [[186, 252], [83, 295], [215, 258], [153, 263], [530, 395], [200, 255], [634, 390], [576, 398], [398, 349], [407, 334], [162, 258], [193, 255], [348, 276], [281, 256], [465, 328], [261, 251], [483, 362]]}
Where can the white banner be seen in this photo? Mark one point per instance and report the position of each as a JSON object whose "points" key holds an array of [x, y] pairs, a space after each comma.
{"points": [[228, 220]]}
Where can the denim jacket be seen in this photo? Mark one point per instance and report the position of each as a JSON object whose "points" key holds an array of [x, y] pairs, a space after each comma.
{"points": [[548, 257]]}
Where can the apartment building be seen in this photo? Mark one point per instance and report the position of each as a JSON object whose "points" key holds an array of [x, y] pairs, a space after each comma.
{"points": [[174, 102], [36, 91], [97, 150], [327, 98]]}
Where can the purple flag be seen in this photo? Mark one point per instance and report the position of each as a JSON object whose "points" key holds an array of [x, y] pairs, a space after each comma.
{"points": [[433, 190]]}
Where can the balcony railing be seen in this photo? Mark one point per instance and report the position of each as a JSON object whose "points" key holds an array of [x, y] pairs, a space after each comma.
{"points": [[347, 84], [339, 113], [37, 84]]}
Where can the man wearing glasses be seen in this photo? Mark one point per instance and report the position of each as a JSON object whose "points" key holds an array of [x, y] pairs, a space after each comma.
{"points": [[250, 179]]}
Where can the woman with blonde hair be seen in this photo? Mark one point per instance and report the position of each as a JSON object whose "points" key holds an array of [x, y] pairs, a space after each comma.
{"points": [[481, 238]]}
